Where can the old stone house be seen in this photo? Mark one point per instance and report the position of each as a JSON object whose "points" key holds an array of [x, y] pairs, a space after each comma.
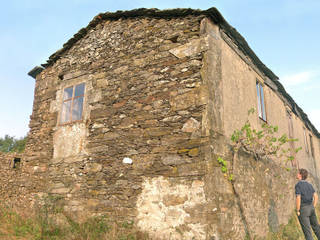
{"points": [[130, 116]]}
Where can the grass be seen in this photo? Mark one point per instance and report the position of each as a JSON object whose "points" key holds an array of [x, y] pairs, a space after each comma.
{"points": [[44, 226], [51, 223], [292, 230]]}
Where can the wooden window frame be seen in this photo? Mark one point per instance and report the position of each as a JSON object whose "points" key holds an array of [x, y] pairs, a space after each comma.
{"points": [[72, 104], [262, 113]]}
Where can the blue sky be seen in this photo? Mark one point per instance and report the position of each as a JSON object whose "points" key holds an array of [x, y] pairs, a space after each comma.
{"points": [[284, 34]]}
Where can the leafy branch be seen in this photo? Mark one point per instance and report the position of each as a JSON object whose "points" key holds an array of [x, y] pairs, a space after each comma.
{"points": [[262, 143], [224, 169]]}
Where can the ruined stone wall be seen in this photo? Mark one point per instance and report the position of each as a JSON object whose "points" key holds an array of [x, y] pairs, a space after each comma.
{"points": [[22, 181], [15, 187]]}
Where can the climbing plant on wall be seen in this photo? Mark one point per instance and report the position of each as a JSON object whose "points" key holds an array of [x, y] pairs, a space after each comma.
{"points": [[263, 143]]}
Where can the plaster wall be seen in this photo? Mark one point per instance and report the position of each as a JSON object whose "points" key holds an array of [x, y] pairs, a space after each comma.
{"points": [[239, 90], [261, 206], [304, 156], [222, 208], [239, 95]]}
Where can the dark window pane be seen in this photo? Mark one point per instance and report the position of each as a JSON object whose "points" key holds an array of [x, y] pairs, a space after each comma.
{"points": [[67, 93], [65, 112], [79, 90], [77, 109]]}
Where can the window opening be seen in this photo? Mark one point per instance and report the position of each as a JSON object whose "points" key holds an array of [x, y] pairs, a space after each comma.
{"points": [[305, 140], [290, 125], [311, 146], [72, 104], [261, 105], [16, 163]]}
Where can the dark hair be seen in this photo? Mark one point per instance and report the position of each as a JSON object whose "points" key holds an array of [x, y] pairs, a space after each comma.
{"points": [[304, 173]]}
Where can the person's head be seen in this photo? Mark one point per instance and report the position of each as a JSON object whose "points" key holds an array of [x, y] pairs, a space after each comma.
{"points": [[302, 174]]}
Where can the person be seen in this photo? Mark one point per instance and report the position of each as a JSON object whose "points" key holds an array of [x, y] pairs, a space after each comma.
{"points": [[306, 200]]}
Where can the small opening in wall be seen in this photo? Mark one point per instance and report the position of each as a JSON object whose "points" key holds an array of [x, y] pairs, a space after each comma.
{"points": [[16, 163], [60, 76]]}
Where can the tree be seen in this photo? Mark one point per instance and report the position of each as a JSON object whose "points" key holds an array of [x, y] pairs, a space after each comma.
{"points": [[12, 144]]}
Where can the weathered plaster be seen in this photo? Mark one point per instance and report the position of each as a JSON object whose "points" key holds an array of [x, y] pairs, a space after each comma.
{"points": [[166, 207], [69, 140]]}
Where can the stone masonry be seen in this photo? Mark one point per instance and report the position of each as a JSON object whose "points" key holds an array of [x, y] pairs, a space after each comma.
{"points": [[164, 90]]}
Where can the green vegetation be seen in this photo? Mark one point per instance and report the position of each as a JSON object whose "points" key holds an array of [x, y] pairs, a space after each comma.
{"points": [[51, 223], [263, 143], [290, 231], [224, 169], [12, 144]]}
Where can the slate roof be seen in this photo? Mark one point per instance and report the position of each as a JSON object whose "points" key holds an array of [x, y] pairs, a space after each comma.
{"points": [[211, 13]]}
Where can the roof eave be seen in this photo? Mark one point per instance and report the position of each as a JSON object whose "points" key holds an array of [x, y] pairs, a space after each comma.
{"points": [[35, 71]]}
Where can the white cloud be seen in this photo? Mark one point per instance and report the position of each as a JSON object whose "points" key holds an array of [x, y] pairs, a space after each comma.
{"points": [[298, 78], [314, 116]]}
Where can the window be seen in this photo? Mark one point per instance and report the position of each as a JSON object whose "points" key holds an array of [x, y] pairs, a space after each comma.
{"points": [[290, 124], [72, 105], [311, 146], [261, 106], [305, 140]]}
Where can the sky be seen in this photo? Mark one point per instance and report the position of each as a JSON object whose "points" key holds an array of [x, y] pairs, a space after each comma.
{"points": [[283, 33]]}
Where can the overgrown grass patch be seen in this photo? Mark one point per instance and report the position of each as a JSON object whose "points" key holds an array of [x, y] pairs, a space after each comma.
{"points": [[290, 231], [43, 226]]}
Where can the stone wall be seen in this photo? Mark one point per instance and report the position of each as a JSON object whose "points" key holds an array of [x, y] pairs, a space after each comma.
{"points": [[157, 114], [15, 187], [143, 102]]}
